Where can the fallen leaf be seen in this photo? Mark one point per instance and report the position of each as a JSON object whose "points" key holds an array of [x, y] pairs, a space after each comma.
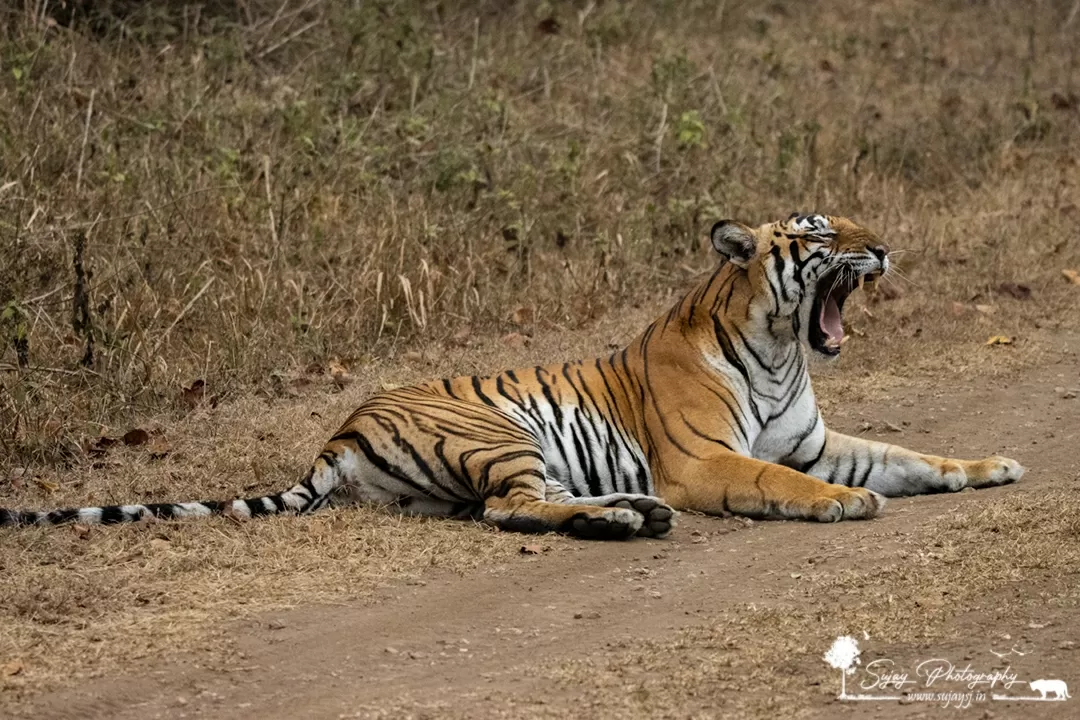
{"points": [[136, 436], [193, 394], [159, 448], [549, 26], [47, 485], [12, 668], [986, 309], [1018, 291], [17, 476], [1000, 340], [515, 340], [339, 374], [1072, 276], [1064, 101], [531, 549], [81, 531], [101, 445], [958, 308], [461, 337], [523, 315]]}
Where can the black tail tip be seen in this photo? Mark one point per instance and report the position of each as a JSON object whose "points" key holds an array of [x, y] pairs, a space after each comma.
{"points": [[14, 518]]}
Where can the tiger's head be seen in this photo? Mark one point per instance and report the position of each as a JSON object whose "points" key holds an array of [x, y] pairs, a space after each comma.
{"points": [[804, 268]]}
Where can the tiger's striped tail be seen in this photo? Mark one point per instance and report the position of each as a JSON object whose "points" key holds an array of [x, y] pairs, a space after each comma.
{"points": [[311, 494]]}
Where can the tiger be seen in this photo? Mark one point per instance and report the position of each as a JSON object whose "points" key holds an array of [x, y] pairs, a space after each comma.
{"points": [[710, 409]]}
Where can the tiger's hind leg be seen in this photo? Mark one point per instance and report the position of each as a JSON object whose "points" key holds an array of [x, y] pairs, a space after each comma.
{"points": [[519, 504], [659, 516], [423, 453], [586, 521]]}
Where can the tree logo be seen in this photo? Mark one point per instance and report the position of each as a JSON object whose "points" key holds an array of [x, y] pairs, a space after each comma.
{"points": [[844, 656]]}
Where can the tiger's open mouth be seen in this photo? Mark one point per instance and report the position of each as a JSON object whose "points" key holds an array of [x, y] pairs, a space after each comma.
{"points": [[826, 320]]}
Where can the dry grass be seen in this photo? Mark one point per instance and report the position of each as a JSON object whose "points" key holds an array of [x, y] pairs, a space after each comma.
{"points": [[260, 188]]}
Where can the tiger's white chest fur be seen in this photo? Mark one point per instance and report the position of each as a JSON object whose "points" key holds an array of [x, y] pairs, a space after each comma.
{"points": [[795, 434]]}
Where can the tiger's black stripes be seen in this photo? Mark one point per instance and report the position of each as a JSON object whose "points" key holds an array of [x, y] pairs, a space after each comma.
{"points": [[809, 465], [779, 264], [865, 475], [480, 393], [705, 436], [728, 349]]}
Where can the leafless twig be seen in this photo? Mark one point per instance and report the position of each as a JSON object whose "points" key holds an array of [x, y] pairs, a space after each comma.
{"points": [[85, 137]]}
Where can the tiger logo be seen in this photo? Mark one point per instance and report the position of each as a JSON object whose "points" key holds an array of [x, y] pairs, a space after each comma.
{"points": [[1057, 688], [709, 409]]}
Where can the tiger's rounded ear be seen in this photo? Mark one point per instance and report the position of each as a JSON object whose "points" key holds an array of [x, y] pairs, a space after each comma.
{"points": [[734, 241]]}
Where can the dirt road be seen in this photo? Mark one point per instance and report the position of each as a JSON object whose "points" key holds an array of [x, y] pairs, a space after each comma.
{"points": [[726, 617]]}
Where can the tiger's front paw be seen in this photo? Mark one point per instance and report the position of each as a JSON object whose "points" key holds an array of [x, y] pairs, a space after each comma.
{"points": [[659, 517], [849, 504], [607, 524], [992, 471]]}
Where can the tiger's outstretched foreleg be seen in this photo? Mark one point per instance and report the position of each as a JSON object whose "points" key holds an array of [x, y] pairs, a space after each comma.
{"points": [[729, 483], [895, 471]]}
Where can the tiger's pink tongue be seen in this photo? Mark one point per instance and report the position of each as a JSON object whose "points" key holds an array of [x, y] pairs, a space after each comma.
{"points": [[830, 320]]}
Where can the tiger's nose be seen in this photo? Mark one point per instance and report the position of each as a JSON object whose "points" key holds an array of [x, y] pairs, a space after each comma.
{"points": [[879, 251]]}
